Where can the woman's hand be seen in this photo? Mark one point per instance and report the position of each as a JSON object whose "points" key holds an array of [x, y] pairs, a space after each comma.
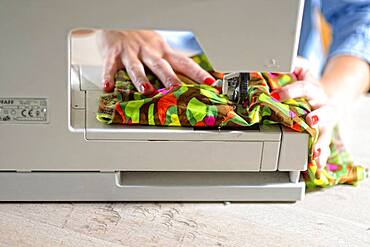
{"points": [[324, 116], [134, 49]]}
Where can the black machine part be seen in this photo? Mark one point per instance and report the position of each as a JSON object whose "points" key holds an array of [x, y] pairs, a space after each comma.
{"points": [[235, 87]]}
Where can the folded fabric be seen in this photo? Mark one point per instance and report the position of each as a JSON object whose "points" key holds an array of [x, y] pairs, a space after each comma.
{"points": [[194, 105]]}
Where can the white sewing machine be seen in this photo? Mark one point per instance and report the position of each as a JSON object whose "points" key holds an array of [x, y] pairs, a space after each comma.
{"points": [[52, 148]]}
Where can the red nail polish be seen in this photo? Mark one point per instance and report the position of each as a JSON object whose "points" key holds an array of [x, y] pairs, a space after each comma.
{"points": [[275, 95], [146, 88], [209, 81], [317, 153], [176, 84], [108, 86], [295, 74], [314, 119]]}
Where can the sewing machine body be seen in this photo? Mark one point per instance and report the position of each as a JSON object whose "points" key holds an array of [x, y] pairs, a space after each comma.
{"points": [[53, 148]]}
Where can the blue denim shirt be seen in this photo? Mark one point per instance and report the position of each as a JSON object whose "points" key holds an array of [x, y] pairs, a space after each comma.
{"points": [[350, 22]]}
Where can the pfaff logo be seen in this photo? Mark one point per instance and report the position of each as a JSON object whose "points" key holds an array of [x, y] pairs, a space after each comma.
{"points": [[6, 101]]}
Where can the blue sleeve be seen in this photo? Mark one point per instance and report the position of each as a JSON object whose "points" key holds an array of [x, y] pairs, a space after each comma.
{"points": [[350, 22]]}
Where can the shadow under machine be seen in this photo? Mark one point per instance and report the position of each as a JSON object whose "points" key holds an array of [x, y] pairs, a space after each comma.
{"points": [[52, 148]]}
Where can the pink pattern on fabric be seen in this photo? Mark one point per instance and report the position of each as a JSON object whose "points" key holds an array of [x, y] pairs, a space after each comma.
{"points": [[210, 120], [331, 167], [274, 75], [292, 114], [165, 90]]}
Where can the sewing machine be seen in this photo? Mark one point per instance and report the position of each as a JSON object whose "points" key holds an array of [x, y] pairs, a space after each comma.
{"points": [[52, 148]]}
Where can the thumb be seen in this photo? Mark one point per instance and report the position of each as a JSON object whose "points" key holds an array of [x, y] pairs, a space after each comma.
{"points": [[322, 147], [324, 119]]}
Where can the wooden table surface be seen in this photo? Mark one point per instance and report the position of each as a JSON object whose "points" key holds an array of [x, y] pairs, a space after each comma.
{"points": [[338, 216]]}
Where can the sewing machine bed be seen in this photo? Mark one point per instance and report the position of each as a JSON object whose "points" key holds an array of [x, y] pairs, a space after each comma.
{"points": [[253, 149]]}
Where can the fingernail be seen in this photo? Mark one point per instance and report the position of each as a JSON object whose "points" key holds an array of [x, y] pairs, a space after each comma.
{"points": [[146, 88], [295, 74], [209, 81], [314, 119], [108, 86], [275, 95], [175, 84], [317, 153]]}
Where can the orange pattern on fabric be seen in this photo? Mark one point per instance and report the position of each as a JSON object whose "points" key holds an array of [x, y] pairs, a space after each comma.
{"points": [[200, 124], [163, 104], [120, 111]]}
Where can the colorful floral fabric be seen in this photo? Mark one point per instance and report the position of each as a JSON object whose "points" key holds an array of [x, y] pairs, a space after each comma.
{"points": [[203, 106]]}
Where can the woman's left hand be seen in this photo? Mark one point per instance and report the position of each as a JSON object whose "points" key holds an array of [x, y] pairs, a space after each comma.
{"points": [[324, 115], [134, 49]]}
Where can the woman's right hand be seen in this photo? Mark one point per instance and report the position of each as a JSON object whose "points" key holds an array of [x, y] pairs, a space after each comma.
{"points": [[324, 115], [134, 49]]}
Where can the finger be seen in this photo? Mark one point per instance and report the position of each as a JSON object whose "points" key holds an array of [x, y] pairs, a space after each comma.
{"points": [[112, 64], [323, 116], [188, 67], [135, 70], [302, 69], [322, 147], [162, 69], [306, 89]]}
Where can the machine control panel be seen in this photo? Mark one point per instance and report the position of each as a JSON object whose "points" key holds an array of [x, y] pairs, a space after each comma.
{"points": [[23, 110]]}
